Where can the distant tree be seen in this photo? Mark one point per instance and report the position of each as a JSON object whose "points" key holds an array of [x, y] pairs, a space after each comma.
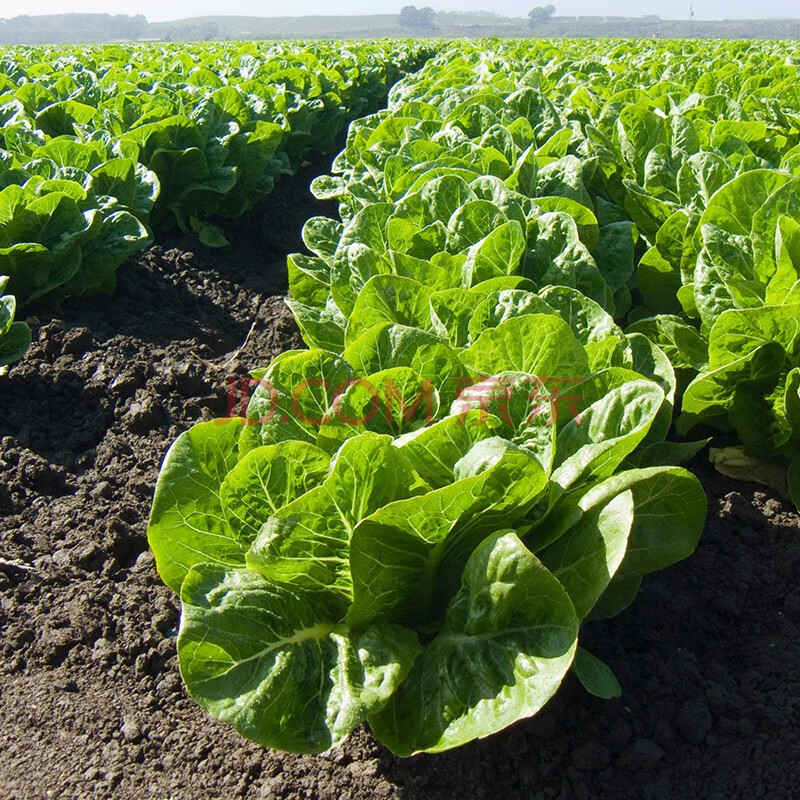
{"points": [[427, 18], [417, 18], [409, 17], [138, 25], [122, 26], [541, 15]]}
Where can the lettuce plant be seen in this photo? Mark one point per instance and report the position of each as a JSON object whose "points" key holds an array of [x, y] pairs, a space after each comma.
{"points": [[15, 337], [70, 214], [752, 385], [57, 239], [425, 567]]}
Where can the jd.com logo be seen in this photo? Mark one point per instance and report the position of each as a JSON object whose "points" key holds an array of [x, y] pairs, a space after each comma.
{"points": [[517, 400]]}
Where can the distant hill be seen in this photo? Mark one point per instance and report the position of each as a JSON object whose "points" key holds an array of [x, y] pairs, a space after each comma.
{"points": [[110, 27], [71, 28], [277, 27], [652, 26]]}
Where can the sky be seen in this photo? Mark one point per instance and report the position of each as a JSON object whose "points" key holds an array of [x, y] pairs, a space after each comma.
{"points": [[159, 10]]}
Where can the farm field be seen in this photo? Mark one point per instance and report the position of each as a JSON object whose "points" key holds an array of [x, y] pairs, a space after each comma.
{"points": [[522, 217]]}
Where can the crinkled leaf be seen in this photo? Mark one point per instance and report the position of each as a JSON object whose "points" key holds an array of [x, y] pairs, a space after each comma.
{"points": [[267, 479], [607, 431], [386, 346], [536, 344], [275, 664], [293, 397], [306, 544], [187, 522], [586, 557], [508, 640], [406, 558], [389, 298], [434, 450]]}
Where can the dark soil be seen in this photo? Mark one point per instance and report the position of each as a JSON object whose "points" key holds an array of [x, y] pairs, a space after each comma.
{"points": [[91, 704]]}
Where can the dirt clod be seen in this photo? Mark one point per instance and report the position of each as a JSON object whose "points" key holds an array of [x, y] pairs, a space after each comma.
{"points": [[694, 720]]}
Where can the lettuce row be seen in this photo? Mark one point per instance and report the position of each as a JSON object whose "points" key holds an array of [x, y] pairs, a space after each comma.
{"points": [[217, 124], [99, 145], [373, 546], [667, 204]]}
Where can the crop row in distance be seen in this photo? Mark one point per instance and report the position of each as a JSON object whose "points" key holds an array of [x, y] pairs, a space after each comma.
{"points": [[550, 258], [101, 145]]}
